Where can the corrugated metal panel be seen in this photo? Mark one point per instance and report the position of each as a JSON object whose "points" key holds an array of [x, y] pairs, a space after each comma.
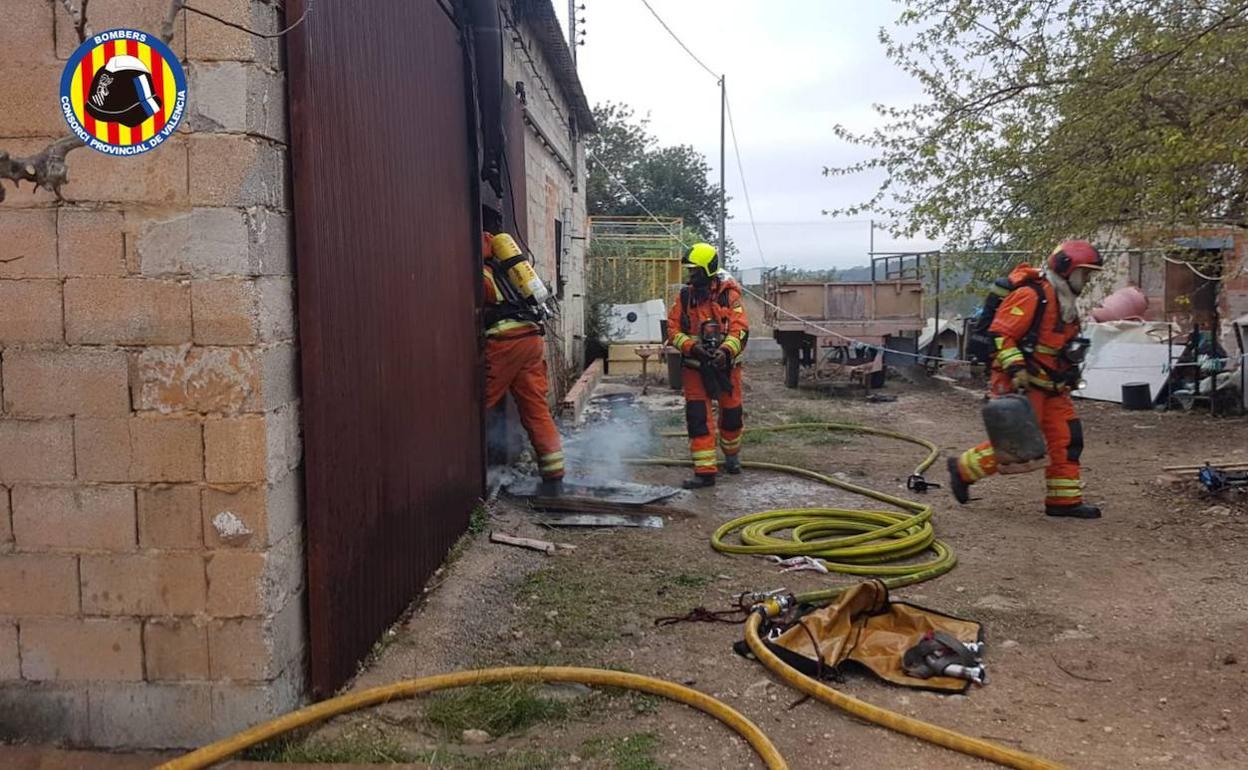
{"points": [[387, 247]]}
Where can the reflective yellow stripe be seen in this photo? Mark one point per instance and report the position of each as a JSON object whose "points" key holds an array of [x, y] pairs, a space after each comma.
{"points": [[679, 339], [972, 462], [733, 344], [1009, 356], [1048, 351], [1065, 483], [704, 453], [508, 324], [1065, 493], [730, 443]]}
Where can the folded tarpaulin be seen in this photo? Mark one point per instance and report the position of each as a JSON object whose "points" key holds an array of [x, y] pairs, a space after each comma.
{"points": [[863, 627]]}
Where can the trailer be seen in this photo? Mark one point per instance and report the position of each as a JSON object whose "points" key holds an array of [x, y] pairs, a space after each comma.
{"points": [[840, 329]]}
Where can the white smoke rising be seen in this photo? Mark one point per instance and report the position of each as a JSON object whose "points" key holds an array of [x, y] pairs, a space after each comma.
{"points": [[616, 427]]}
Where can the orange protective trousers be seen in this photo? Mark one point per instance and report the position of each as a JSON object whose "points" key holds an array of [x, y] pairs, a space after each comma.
{"points": [[1063, 434], [518, 365], [698, 420]]}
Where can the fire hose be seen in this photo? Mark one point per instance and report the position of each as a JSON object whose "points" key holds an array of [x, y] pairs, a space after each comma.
{"points": [[881, 537]]}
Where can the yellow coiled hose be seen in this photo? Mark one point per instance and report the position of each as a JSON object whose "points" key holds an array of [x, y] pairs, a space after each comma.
{"points": [[221, 750]]}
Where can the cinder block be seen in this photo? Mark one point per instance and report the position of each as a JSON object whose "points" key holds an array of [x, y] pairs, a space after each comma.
{"points": [[147, 448], [238, 98], [127, 311], [279, 376], [169, 517], [32, 311], [176, 649], [251, 583], [31, 105], [234, 449], [87, 649], [231, 170], [6, 521], [91, 243], [26, 36], [202, 242], [285, 446], [237, 706], [209, 40], [185, 379], [158, 177], [43, 713], [28, 247], [10, 660], [225, 311], [36, 450], [235, 517], [66, 382], [97, 518], [166, 716], [38, 584], [269, 238], [155, 583], [146, 15], [277, 309], [257, 649]]}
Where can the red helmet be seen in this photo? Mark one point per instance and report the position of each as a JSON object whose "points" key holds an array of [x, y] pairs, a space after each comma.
{"points": [[1070, 255]]}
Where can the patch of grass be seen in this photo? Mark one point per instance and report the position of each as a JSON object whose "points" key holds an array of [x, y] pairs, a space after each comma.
{"points": [[478, 520], [497, 709], [347, 749], [685, 580], [520, 760], [629, 752]]}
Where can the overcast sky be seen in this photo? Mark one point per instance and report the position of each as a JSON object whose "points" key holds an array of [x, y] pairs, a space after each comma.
{"points": [[794, 69]]}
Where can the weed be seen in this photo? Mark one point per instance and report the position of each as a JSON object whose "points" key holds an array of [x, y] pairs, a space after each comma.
{"points": [[478, 520], [629, 752], [685, 580], [348, 749], [497, 709]]}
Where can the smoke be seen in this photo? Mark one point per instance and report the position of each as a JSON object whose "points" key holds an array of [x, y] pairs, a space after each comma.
{"points": [[616, 427]]}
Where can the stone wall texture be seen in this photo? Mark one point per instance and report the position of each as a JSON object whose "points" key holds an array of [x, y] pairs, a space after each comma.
{"points": [[151, 553]]}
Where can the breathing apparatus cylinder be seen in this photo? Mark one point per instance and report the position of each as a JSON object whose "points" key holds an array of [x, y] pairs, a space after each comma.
{"points": [[518, 271]]}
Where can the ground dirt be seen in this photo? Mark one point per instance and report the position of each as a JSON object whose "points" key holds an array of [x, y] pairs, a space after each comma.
{"points": [[1116, 643]]}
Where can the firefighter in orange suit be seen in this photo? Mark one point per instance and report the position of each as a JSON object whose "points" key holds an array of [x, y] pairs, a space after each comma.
{"points": [[1039, 350], [515, 361], [707, 324]]}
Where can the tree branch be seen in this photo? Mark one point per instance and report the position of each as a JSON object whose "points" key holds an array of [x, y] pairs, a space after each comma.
{"points": [[44, 169]]}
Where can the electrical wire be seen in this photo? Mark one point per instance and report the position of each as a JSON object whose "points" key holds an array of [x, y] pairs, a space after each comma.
{"points": [[745, 188], [679, 42]]}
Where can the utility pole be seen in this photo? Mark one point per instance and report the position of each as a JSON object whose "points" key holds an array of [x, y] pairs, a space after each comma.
{"points": [[723, 195], [572, 39]]}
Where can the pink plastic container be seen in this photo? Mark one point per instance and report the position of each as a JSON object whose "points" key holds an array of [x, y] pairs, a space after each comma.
{"points": [[1125, 303]]}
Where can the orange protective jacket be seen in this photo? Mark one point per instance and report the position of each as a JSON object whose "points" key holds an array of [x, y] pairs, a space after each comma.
{"points": [[1014, 321], [721, 304]]}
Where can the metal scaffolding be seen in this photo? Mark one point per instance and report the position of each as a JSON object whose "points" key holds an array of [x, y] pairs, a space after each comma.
{"points": [[634, 259]]}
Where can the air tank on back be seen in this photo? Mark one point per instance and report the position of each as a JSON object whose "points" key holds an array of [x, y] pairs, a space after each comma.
{"points": [[1015, 434]]}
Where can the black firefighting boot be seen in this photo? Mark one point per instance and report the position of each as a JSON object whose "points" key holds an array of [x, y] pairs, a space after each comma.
{"points": [[1080, 511], [961, 490], [699, 482], [550, 488], [732, 464]]}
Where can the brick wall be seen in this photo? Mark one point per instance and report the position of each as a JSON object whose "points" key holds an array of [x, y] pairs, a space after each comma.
{"points": [[151, 555]]}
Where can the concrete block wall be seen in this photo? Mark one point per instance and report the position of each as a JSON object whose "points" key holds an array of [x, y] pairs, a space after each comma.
{"points": [[151, 547]]}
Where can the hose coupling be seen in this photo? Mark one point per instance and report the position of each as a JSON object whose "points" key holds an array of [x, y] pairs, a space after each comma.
{"points": [[772, 604]]}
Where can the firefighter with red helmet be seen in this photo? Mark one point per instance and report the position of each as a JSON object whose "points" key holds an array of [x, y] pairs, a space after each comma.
{"points": [[515, 354], [1036, 331], [708, 325]]}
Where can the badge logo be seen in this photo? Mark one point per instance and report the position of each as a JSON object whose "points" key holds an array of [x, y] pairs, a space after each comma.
{"points": [[123, 92]]}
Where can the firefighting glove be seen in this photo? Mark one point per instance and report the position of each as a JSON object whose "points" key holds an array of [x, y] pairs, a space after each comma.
{"points": [[721, 358], [1018, 377], [701, 353]]}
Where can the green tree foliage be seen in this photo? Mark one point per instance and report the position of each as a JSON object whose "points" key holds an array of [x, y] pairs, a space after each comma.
{"points": [[1045, 119], [670, 181]]}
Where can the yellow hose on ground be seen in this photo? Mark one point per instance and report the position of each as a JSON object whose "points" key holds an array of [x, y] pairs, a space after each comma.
{"points": [[879, 537], [221, 750], [892, 720]]}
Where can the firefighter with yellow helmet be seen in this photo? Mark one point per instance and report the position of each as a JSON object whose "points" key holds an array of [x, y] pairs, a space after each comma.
{"points": [[708, 325]]}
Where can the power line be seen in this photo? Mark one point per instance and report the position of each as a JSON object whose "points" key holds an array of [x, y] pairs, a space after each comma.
{"points": [[749, 207], [680, 42]]}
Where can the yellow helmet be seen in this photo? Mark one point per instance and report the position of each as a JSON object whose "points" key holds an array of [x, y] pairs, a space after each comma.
{"points": [[702, 255]]}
